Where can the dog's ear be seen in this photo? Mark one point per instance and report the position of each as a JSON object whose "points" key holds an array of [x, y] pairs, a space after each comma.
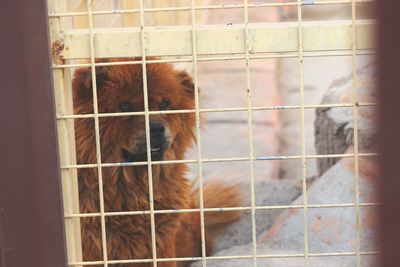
{"points": [[186, 81], [82, 81]]}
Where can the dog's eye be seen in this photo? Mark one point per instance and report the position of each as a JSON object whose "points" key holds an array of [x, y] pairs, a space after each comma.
{"points": [[126, 107], [164, 104]]}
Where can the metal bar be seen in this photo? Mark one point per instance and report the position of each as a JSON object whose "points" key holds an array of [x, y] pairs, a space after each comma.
{"points": [[355, 136], [227, 39], [198, 133], [97, 134], [31, 222], [313, 206], [126, 164], [248, 49], [143, 53], [208, 110], [302, 131], [218, 58]]}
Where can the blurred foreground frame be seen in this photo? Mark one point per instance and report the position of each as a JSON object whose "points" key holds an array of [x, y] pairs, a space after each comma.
{"points": [[389, 58], [31, 222]]}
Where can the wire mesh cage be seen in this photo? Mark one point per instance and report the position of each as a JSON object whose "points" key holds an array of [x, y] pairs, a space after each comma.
{"points": [[91, 38]]}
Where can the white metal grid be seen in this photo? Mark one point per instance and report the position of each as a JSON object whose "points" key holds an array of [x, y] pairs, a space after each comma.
{"points": [[63, 115]]}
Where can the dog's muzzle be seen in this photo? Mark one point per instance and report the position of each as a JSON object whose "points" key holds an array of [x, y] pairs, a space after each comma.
{"points": [[158, 143]]}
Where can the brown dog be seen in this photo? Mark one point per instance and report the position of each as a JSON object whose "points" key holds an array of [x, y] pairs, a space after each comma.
{"points": [[123, 139]]}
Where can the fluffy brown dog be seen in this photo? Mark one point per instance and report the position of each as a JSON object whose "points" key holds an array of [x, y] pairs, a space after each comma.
{"points": [[122, 139]]}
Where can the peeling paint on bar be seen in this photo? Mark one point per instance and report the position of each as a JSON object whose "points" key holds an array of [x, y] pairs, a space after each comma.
{"points": [[272, 158]]}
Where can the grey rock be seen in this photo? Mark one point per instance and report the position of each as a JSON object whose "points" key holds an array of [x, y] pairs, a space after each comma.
{"points": [[272, 193], [334, 127], [329, 229], [332, 261], [267, 193]]}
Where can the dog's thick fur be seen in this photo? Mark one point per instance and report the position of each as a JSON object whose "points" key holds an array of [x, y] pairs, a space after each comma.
{"points": [[127, 188]]}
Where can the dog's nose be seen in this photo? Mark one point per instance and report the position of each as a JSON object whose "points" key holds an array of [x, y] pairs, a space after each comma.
{"points": [[157, 128]]}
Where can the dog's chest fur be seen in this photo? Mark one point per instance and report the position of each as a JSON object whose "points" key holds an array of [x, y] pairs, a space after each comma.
{"points": [[127, 189]]}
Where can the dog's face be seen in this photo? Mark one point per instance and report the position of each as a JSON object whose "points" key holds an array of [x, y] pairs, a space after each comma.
{"points": [[120, 90]]}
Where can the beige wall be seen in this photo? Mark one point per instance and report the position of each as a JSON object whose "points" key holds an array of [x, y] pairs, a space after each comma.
{"points": [[162, 18]]}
